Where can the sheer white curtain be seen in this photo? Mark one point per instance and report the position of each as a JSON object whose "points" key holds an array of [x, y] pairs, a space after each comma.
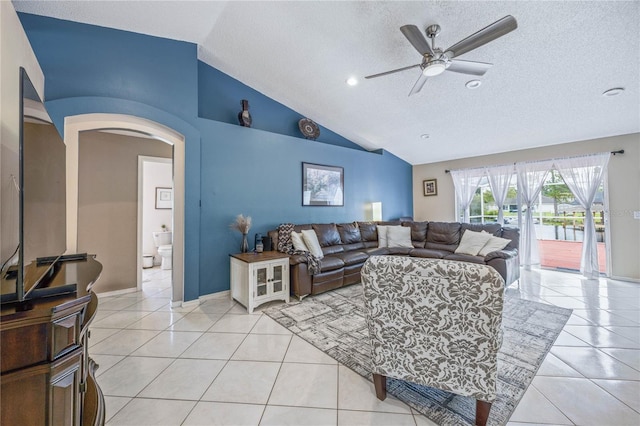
{"points": [[583, 176], [466, 182], [531, 177], [499, 181]]}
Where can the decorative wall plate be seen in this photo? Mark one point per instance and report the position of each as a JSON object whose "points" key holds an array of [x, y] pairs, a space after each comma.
{"points": [[309, 129]]}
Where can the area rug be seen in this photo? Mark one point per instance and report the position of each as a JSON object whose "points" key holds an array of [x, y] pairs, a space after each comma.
{"points": [[334, 322]]}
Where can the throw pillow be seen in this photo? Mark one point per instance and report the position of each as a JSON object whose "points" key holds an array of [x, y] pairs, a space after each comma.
{"points": [[399, 236], [298, 242], [494, 244], [311, 240], [382, 236], [472, 242]]}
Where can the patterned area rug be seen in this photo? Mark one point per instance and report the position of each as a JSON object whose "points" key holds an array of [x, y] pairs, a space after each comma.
{"points": [[334, 322]]}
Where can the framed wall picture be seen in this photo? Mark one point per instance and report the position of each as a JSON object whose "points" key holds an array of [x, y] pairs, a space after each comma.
{"points": [[322, 185], [164, 198], [430, 187]]}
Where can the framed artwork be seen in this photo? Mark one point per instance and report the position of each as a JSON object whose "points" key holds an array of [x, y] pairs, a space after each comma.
{"points": [[322, 185], [164, 198], [430, 187]]}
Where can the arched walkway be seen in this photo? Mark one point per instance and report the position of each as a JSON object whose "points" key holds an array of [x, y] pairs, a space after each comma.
{"points": [[73, 125]]}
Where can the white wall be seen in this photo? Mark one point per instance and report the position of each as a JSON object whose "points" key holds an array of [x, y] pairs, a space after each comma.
{"points": [[15, 52], [155, 173], [623, 184]]}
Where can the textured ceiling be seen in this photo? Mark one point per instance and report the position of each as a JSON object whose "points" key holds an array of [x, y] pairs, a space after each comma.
{"points": [[545, 86]]}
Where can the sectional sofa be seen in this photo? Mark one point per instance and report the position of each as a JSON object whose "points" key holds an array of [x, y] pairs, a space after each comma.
{"points": [[346, 246]]}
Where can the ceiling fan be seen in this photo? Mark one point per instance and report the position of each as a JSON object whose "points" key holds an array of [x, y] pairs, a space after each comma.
{"points": [[435, 61]]}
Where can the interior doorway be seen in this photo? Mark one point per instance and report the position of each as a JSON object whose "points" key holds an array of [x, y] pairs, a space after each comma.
{"points": [[155, 212], [74, 125]]}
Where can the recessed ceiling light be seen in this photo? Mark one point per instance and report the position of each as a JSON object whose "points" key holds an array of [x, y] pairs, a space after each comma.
{"points": [[352, 81], [473, 84], [424, 136], [613, 92]]}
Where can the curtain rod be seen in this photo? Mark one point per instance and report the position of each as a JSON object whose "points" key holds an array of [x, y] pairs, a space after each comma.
{"points": [[620, 151]]}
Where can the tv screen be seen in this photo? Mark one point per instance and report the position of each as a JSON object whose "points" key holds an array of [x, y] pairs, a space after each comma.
{"points": [[41, 194]]}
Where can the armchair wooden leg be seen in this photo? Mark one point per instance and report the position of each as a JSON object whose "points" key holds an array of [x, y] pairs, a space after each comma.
{"points": [[380, 382], [482, 412]]}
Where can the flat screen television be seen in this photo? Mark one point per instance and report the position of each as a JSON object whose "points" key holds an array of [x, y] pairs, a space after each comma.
{"points": [[41, 190]]}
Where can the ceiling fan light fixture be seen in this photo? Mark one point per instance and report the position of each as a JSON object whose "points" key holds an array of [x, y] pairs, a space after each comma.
{"points": [[434, 68]]}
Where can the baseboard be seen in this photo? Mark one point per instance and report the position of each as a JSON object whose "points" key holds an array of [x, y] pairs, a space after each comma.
{"points": [[117, 292], [225, 294], [627, 279], [187, 304], [211, 296]]}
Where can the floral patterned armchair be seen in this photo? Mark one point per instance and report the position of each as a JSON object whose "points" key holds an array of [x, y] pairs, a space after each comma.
{"points": [[435, 323]]}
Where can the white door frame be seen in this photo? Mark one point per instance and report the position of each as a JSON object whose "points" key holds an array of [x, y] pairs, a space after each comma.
{"points": [[142, 159], [73, 125]]}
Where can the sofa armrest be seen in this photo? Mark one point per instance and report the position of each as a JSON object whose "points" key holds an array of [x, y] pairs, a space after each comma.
{"points": [[501, 254], [295, 259]]}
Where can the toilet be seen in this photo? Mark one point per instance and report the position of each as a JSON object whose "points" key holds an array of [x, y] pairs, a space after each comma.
{"points": [[163, 241]]}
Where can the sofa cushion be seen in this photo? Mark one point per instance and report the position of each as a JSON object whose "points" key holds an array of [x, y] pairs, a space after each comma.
{"points": [[298, 241], [328, 234], [368, 231], [512, 234], [332, 249], [428, 253], [493, 244], [349, 233], [465, 258], [382, 236], [311, 240], [352, 257], [355, 246], [418, 232], [399, 236], [377, 251], [443, 236], [472, 242], [330, 263], [402, 251], [494, 229]]}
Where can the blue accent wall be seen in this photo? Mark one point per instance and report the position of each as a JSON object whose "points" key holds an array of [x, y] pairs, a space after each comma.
{"points": [[218, 100], [259, 174], [86, 60], [229, 169]]}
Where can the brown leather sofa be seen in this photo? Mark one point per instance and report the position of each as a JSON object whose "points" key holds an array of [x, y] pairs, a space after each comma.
{"points": [[346, 246]]}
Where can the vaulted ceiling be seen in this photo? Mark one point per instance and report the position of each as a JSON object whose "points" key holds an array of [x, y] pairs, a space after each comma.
{"points": [[545, 87]]}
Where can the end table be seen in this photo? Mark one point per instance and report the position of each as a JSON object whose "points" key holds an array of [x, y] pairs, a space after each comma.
{"points": [[257, 278]]}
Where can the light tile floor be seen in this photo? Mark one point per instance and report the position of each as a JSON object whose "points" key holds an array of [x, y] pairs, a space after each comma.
{"points": [[216, 365]]}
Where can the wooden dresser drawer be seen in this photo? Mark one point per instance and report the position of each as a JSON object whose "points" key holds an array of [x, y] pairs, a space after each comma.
{"points": [[65, 334]]}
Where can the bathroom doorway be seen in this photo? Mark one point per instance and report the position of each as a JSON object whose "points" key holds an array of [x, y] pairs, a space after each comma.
{"points": [[155, 214]]}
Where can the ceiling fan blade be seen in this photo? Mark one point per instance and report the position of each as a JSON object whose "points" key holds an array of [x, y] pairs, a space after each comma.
{"points": [[469, 67], [418, 86], [417, 39], [392, 71], [484, 36]]}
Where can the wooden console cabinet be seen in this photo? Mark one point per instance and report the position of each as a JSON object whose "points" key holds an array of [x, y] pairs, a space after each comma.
{"points": [[46, 373]]}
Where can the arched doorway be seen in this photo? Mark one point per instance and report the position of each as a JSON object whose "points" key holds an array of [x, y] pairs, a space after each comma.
{"points": [[74, 125]]}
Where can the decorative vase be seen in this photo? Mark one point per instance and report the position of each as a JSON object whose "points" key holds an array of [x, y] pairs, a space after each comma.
{"points": [[245, 244]]}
